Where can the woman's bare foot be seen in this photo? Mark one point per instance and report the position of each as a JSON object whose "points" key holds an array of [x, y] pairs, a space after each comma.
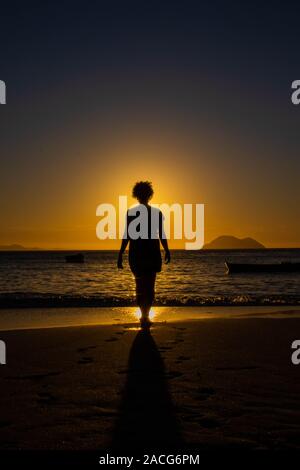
{"points": [[145, 322]]}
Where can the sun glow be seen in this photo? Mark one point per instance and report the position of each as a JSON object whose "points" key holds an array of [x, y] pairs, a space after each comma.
{"points": [[138, 314]]}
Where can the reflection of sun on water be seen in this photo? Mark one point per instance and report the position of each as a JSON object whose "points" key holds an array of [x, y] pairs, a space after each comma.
{"points": [[138, 314]]}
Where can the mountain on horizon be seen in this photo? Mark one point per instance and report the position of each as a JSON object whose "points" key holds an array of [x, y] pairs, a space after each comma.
{"points": [[224, 242], [16, 247], [228, 242]]}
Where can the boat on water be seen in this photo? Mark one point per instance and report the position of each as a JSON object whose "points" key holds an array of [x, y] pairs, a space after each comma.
{"points": [[77, 258], [283, 267]]}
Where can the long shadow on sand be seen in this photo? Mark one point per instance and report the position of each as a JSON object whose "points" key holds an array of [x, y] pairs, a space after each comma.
{"points": [[147, 419]]}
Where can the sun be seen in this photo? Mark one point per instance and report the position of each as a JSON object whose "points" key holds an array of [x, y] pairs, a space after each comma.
{"points": [[138, 314]]}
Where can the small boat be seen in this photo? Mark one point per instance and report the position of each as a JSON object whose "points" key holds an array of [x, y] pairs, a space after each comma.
{"points": [[283, 267], [78, 258]]}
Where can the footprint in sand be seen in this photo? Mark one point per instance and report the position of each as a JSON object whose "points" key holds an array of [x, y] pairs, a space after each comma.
{"points": [[173, 374], [209, 422], [178, 340], [181, 359], [45, 398], [85, 349], [165, 348], [109, 340], [205, 392], [85, 360]]}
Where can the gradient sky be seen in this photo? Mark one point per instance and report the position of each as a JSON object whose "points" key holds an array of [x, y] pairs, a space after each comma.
{"points": [[194, 96]]}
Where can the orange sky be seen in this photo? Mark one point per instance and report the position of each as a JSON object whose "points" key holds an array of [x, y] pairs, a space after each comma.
{"points": [[56, 208]]}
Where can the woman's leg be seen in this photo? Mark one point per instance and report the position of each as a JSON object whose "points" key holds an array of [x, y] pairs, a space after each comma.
{"points": [[145, 292], [151, 289], [139, 289]]}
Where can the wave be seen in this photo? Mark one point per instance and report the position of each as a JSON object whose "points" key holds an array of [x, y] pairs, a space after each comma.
{"points": [[32, 300]]}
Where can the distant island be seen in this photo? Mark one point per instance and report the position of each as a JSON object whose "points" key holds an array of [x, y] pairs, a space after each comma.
{"points": [[224, 242], [228, 242], [16, 247]]}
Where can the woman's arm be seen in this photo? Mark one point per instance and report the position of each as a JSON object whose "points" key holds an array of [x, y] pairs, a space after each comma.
{"points": [[124, 244], [163, 239], [164, 243]]}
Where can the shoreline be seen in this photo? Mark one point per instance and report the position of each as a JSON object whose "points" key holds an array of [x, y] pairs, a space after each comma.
{"points": [[44, 318], [23, 301]]}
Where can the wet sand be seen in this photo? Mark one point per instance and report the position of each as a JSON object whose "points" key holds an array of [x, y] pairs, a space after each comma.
{"points": [[198, 384]]}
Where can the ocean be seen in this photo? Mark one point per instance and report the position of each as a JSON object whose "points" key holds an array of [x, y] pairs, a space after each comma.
{"points": [[44, 279]]}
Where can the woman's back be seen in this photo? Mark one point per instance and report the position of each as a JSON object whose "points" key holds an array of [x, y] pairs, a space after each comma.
{"points": [[144, 225]]}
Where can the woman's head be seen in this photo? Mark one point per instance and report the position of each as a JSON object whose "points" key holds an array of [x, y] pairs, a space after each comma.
{"points": [[142, 191]]}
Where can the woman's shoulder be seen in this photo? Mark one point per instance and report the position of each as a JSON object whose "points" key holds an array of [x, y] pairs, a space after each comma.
{"points": [[155, 209]]}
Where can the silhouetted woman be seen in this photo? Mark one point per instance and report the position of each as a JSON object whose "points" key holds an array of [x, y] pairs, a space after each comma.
{"points": [[144, 231]]}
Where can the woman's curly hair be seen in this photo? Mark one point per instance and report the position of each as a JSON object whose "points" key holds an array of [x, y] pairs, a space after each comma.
{"points": [[142, 191]]}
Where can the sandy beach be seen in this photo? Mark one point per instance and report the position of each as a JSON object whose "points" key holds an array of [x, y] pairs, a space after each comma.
{"points": [[220, 381]]}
